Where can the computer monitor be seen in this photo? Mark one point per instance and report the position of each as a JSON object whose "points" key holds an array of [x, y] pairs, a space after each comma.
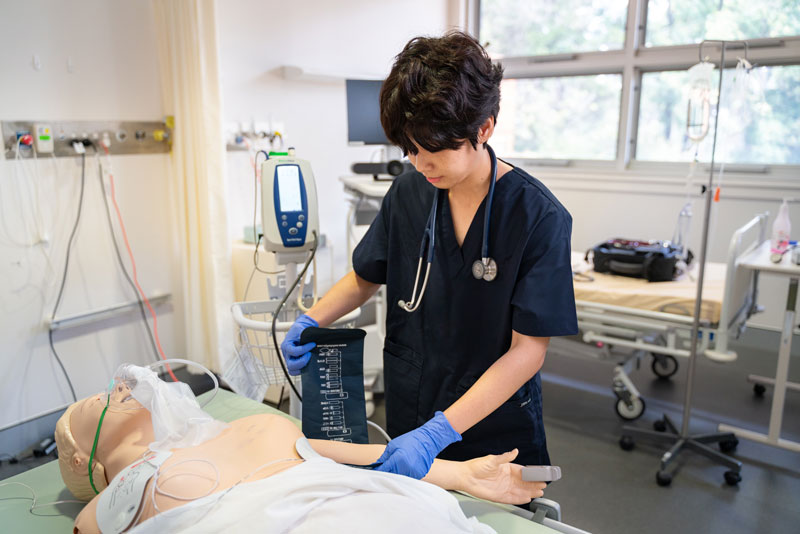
{"points": [[363, 113]]}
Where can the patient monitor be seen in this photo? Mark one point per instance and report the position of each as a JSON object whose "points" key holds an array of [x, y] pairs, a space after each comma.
{"points": [[288, 205]]}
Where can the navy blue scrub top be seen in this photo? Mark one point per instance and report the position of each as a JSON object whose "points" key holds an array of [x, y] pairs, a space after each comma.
{"points": [[435, 354]]}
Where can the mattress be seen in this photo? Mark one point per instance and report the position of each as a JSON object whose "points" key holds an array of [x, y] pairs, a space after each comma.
{"points": [[676, 297]]}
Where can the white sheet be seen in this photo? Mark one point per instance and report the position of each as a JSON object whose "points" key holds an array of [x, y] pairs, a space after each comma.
{"points": [[321, 496]]}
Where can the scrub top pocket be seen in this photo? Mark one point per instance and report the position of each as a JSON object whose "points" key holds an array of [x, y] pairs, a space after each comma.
{"points": [[402, 375]]}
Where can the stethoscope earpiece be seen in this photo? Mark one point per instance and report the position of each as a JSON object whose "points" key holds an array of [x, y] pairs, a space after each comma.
{"points": [[483, 269]]}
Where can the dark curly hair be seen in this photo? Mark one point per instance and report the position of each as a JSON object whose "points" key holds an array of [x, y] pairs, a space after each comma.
{"points": [[439, 92]]}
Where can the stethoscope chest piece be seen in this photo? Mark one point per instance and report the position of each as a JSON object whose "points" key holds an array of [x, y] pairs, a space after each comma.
{"points": [[484, 269]]}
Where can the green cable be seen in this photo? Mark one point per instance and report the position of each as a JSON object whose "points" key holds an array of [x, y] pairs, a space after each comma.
{"points": [[96, 439]]}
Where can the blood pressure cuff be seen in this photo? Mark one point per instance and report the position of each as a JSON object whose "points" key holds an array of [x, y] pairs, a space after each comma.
{"points": [[654, 260], [333, 385]]}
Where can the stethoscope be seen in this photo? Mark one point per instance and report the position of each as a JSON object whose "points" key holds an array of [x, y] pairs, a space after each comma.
{"points": [[483, 269]]}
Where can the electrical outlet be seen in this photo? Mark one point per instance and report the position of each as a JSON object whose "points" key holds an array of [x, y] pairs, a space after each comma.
{"points": [[43, 138]]}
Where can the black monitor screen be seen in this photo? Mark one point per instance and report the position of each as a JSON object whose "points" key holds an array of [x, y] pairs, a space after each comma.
{"points": [[363, 112]]}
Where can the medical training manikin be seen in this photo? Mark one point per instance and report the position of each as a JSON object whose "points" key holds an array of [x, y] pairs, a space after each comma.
{"points": [[162, 464]]}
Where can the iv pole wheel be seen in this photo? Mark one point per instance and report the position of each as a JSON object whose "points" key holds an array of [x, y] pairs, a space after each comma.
{"points": [[732, 478], [659, 425], [727, 446], [664, 478], [626, 443], [630, 410], [759, 390], [664, 365]]}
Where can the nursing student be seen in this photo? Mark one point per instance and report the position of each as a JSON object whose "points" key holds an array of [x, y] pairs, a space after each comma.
{"points": [[475, 256]]}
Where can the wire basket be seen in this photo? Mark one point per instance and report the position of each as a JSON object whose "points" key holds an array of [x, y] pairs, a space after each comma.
{"points": [[256, 364]]}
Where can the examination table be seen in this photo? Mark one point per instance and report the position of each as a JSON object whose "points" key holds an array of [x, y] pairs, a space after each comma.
{"points": [[46, 481]]}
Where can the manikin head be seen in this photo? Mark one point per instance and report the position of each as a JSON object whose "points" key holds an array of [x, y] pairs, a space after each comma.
{"points": [[126, 424], [141, 412]]}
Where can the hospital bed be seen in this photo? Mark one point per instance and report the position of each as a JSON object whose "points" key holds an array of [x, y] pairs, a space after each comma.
{"points": [[226, 406], [656, 317]]}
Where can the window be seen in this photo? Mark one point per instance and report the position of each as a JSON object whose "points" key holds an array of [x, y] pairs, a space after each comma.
{"points": [[759, 122], [539, 114], [677, 22], [605, 80], [525, 28]]}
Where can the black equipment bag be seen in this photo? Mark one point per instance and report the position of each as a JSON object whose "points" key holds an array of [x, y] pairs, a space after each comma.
{"points": [[654, 260]]}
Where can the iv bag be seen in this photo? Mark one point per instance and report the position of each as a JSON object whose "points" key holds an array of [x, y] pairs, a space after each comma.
{"points": [[698, 112]]}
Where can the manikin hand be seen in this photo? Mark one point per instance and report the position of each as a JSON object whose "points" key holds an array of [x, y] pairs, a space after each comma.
{"points": [[495, 478]]}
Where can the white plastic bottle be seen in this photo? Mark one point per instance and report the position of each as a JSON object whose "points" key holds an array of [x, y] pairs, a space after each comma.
{"points": [[781, 229]]}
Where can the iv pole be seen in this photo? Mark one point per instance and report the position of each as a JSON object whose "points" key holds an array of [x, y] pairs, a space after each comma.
{"points": [[666, 431]]}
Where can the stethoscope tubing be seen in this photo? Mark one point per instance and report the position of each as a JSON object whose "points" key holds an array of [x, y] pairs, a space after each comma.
{"points": [[489, 201], [429, 237]]}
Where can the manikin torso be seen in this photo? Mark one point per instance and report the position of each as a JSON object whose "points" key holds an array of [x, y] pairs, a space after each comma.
{"points": [[247, 444]]}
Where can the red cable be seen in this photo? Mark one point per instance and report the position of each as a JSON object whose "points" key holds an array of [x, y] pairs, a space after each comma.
{"points": [[133, 265]]}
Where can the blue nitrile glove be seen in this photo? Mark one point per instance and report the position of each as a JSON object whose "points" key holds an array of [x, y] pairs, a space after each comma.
{"points": [[412, 453], [297, 356]]}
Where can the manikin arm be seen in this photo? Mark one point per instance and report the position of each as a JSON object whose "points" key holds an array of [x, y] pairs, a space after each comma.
{"points": [[86, 522], [491, 477]]}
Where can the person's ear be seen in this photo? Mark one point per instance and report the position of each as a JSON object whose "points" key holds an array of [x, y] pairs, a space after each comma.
{"points": [[485, 130]]}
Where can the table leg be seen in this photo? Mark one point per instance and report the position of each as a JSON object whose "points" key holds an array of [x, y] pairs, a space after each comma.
{"points": [[781, 376]]}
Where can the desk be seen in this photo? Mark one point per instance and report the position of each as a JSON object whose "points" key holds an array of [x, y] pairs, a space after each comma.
{"points": [[759, 261], [366, 186]]}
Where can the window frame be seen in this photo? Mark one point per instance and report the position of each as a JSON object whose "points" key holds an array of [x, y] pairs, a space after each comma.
{"points": [[632, 61]]}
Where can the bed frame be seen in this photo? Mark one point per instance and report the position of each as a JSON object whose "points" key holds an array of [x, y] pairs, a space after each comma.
{"points": [[667, 336]]}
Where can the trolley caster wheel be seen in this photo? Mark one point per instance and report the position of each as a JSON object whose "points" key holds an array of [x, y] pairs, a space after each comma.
{"points": [[626, 443], [632, 411], [664, 478], [732, 478], [660, 426], [727, 446], [664, 366], [759, 390]]}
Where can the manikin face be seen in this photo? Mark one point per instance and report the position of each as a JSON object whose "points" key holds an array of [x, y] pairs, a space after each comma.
{"points": [[123, 416]]}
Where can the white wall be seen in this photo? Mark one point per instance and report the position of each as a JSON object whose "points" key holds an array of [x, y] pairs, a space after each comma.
{"points": [[350, 37], [111, 46]]}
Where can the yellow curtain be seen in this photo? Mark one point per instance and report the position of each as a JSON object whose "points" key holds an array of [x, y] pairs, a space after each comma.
{"points": [[189, 66]]}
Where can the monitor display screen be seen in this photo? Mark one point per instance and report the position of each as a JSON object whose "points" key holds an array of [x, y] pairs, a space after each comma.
{"points": [[363, 112], [289, 188]]}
